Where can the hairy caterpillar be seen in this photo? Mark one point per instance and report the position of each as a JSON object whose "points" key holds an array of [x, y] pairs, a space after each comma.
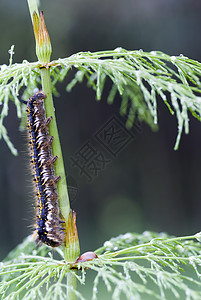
{"points": [[49, 224]]}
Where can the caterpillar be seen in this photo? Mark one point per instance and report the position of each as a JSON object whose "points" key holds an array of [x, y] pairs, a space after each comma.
{"points": [[48, 224]]}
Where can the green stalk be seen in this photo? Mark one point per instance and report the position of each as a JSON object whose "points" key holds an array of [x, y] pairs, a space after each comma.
{"points": [[43, 51], [71, 282]]}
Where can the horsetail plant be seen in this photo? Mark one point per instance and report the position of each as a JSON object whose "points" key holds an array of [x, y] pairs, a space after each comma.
{"points": [[133, 266]]}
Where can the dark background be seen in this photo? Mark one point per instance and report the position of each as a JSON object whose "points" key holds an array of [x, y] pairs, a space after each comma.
{"points": [[147, 186]]}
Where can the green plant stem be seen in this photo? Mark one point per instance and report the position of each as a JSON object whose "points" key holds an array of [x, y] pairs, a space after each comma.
{"points": [[59, 170], [56, 147], [56, 150], [71, 286]]}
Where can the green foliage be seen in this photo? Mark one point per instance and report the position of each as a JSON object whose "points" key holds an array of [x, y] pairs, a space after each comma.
{"points": [[147, 266], [133, 266], [140, 78]]}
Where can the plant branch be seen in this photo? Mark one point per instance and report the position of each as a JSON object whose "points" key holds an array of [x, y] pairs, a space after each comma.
{"points": [[136, 75], [160, 268]]}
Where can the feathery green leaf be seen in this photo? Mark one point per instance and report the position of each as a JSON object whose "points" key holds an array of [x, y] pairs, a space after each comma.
{"points": [[134, 266], [140, 78]]}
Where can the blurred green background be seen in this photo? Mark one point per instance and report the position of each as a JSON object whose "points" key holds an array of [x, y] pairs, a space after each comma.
{"points": [[147, 186]]}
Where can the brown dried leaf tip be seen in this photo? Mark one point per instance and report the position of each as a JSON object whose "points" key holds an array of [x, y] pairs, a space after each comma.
{"points": [[72, 246], [43, 44]]}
